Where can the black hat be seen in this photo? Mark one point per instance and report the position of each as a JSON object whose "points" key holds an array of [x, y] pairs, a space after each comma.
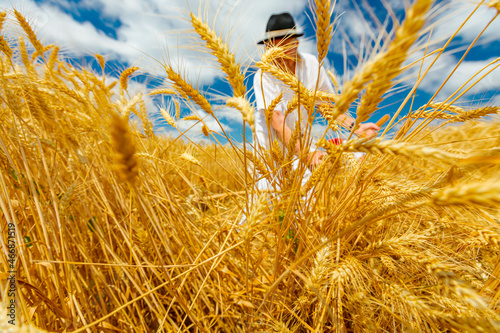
{"points": [[280, 25]]}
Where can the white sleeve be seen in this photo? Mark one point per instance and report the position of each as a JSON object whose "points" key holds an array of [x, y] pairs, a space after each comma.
{"points": [[266, 89]]}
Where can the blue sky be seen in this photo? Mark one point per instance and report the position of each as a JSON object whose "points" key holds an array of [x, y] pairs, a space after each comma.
{"points": [[151, 32]]}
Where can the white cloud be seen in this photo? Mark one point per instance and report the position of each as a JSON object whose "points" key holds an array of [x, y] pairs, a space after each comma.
{"points": [[444, 66], [154, 29], [230, 115], [457, 12]]}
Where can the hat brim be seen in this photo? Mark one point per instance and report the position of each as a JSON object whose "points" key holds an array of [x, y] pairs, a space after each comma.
{"points": [[293, 34]]}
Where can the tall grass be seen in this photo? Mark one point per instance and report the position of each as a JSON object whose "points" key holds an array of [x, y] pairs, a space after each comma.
{"points": [[121, 231]]}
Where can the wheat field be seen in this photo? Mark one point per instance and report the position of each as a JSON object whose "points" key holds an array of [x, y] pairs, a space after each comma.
{"points": [[118, 229]]}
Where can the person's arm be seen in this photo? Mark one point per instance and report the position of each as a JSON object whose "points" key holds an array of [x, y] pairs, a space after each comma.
{"points": [[284, 134], [365, 129]]}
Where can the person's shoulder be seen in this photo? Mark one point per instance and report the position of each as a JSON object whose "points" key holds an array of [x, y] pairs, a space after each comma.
{"points": [[309, 58]]}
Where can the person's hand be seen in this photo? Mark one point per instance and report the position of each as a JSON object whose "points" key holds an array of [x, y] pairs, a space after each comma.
{"points": [[367, 130], [315, 158]]}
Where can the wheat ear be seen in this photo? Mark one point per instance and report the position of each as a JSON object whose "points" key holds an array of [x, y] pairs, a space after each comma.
{"points": [[124, 147], [30, 33], [270, 109], [324, 28], [460, 115], [124, 77], [292, 143], [53, 58], [25, 58], [190, 158], [168, 118], [186, 90], [315, 177], [475, 193], [4, 46], [447, 107], [162, 91], [221, 51], [2, 19], [257, 163], [192, 117], [177, 110], [494, 4], [475, 114], [276, 152], [101, 61], [391, 147], [205, 131], [64, 89], [334, 79], [244, 106], [143, 115]]}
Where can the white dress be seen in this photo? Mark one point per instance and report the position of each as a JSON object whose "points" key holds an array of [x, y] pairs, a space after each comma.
{"points": [[267, 88]]}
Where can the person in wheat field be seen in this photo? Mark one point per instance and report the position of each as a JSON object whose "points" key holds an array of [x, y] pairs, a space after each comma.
{"points": [[281, 31]]}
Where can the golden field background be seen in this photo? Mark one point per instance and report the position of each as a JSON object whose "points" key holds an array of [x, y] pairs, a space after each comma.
{"points": [[121, 230]]}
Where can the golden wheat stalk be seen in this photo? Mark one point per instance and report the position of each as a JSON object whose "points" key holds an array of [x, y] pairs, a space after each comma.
{"points": [[30, 33], [293, 143], [25, 57], [390, 147], [270, 109], [205, 130], [494, 4], [192, 117], [76, 95], [221, 51], [124, 147], [190, 158], [266, 65], [475, 193], [432, 114], [53, 59], [257, 163], [2, 19], [244, 106], [458, 115], [324, 28], [162, 91], [102, 62], [317, 175], [447, 107], [143, 115], [177, 110], [187, 90], [168, 118], [276, 152], [322, 266], [475, 114], [4, 46], [125, 76], [334, 80]]}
